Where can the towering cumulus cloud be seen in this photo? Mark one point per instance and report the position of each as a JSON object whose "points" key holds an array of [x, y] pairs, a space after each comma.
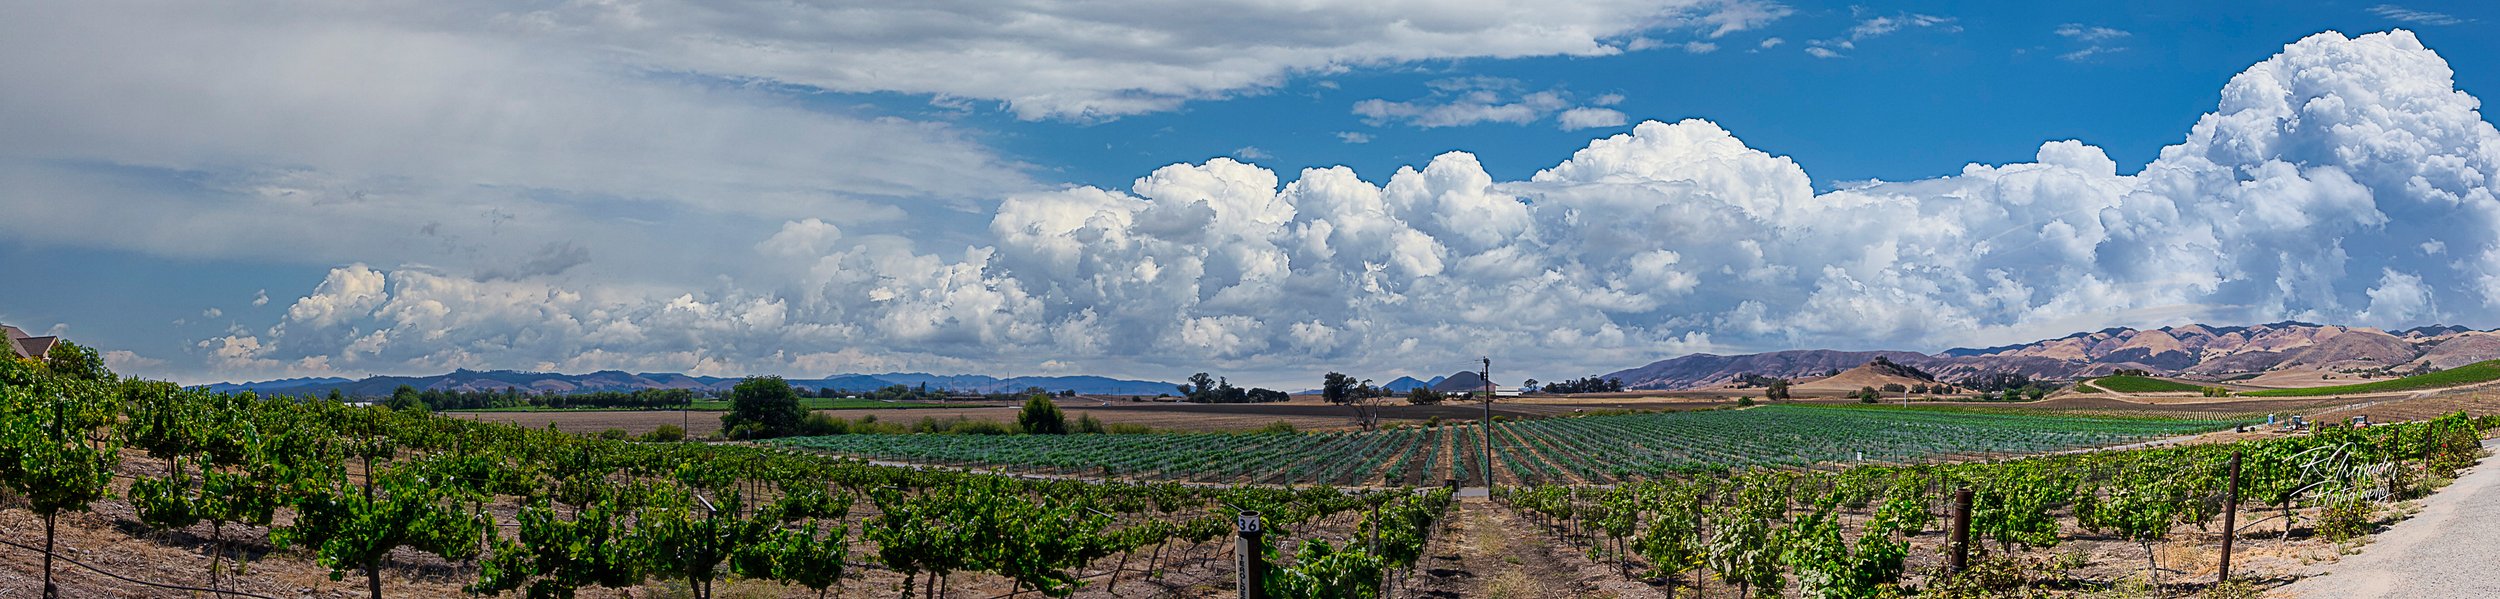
{"points": [[2344, 180]]}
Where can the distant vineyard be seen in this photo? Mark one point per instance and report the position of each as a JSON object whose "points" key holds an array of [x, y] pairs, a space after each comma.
{"points": [[2478, 372], [2143, 384], [1595, 449]]}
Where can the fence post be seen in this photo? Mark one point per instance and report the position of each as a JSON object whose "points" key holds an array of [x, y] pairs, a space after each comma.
{"points": [[1960, 558], [1250, 564], [2230, 518]]}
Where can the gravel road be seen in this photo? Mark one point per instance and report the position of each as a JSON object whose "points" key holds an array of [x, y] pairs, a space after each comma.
{"points": [[2449, 550]]}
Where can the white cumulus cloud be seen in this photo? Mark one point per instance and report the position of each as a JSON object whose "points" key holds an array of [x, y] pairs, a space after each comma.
{"points": [[1589, 118], [2308, 192]]}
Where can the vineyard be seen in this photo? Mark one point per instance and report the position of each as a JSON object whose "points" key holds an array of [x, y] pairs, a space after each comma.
{"points": [[1829, 502], [2475, 373], [546, 514], [1592, 449], [1849, 534], [2143, 384]]}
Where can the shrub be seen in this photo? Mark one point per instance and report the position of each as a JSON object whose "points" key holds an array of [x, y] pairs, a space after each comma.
{"points": [[1993, 575], [1088, 424], [2232, 589], [613, 434], [1042, 417], [1744, 401], [1127, 428], [2454, 444], [966, 426], [667, 433], [818, 424], [1279, 426], [2346, 520]]}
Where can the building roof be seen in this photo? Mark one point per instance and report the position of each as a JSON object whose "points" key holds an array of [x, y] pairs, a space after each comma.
{"points": [[26, 346], [37, 347]]}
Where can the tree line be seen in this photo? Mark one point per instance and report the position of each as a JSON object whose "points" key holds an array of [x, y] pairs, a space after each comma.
{"points": [[1586, 384], [1203, 388]]}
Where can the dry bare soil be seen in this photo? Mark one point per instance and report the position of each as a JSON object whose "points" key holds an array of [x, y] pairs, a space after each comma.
{"points": [[1304, 413]]}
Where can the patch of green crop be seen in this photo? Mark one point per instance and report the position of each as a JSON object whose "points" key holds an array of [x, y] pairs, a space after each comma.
{"points": [[2143, 384], [2478, 372]]}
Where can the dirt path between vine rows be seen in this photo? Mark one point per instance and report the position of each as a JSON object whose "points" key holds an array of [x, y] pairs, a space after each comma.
{"points": [[1486, 551], [2446, 551]]}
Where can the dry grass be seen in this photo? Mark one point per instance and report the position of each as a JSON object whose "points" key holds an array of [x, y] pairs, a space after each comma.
{"points": [[1514, 584]]}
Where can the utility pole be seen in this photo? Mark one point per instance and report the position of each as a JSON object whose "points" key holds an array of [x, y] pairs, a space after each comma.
{"points": [[1487, 375]]}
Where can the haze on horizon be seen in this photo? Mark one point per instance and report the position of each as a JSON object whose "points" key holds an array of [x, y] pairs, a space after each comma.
{"points": [[227, 191]]}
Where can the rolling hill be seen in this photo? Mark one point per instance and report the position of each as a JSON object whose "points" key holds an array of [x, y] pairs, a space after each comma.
{"points": [[1854, 379], [1462, 382], [1407, 383], [2196, 350]]}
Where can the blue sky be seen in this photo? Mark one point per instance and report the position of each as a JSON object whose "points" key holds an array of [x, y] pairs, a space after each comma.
{"points": [[252, 191], [1916, 103]]}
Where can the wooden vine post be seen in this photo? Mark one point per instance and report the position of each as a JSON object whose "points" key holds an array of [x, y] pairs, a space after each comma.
{"points": [[1960, 557], [2230, 517], [1250, 566]]}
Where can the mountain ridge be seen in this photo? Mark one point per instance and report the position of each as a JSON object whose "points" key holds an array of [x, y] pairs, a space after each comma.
{"points": [[2190, 349]]}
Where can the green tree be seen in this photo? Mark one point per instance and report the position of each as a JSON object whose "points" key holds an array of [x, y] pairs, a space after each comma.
{"points": [[762, 407], [1336, 388], [405, 400], [1041, 417]]}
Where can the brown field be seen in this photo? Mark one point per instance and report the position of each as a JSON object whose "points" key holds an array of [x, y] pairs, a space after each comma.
{"points": [[1303, 412], [1310, 413]]}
